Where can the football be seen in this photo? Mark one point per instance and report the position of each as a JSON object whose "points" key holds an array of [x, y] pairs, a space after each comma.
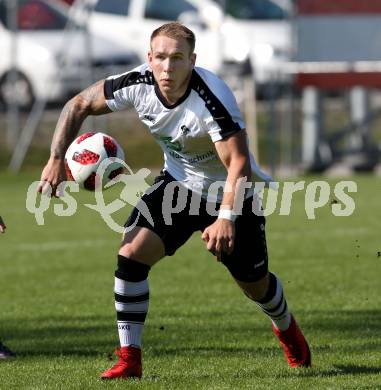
{"points": [[86, 153]]}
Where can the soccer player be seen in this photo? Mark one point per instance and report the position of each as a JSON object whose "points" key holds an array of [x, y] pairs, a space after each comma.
{"points": [[194, 117], [5, 352]]}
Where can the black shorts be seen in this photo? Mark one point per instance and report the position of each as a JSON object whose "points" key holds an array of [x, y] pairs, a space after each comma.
{"points": [[248, 262]]}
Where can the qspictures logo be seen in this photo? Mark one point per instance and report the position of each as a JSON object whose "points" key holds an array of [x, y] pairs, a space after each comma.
{"points": [[279, 198]]}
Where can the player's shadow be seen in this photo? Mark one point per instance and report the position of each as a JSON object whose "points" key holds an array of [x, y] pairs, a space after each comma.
{"points": [[353, 369], [354, 330], [338, 370], [61, 336], [88, 335], [213, 350], [343, 320]]}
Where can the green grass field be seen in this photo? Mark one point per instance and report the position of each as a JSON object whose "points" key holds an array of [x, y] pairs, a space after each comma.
{"points": [[57, 314]]}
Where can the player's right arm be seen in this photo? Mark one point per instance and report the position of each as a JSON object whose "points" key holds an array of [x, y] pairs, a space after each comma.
{"points": [[90, 101]]}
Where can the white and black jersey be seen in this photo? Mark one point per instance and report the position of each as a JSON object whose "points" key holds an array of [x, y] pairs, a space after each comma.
{"points": [[187, 130]]}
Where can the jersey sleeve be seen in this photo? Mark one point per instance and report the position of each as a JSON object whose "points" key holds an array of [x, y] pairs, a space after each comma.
{"points": [[223, 116], [122, 91]]}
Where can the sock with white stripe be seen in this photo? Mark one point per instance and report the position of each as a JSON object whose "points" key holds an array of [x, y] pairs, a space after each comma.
{"points": [[131, 300], [274, 304]]}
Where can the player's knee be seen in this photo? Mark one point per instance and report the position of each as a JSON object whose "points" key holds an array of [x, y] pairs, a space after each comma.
{"points": [[130, 251], [142, 245], [131, 270]]}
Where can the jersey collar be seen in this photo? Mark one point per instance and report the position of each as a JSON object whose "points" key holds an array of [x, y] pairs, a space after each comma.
{"points": [[184, 97]]}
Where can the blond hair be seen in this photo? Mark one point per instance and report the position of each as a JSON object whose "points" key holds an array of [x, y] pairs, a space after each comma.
{"points": [[176, 30]]}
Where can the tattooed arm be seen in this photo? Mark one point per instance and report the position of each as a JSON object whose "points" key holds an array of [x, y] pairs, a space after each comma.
{"points": [[91, 101]]}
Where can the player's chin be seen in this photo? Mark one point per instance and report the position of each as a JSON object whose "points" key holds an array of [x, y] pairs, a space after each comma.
{"points": [[167, 87]]}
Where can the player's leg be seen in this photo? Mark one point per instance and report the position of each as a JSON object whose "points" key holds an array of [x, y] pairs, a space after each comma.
{"points": [[140, 249], [273, 303], [268, 293], [248, 264], [143, 245]]}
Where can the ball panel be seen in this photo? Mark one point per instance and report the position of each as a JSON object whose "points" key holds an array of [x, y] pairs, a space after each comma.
{"points": [[89, 183], [84, 136], [113, 174], [85, 157], [110, 146]]}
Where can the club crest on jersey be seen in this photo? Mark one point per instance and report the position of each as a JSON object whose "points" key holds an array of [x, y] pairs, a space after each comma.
{"points": [[176, 146], [184, 130]]}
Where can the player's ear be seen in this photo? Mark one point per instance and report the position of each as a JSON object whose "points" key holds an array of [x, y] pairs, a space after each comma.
{"points": [[193, 58], [149, 57]]}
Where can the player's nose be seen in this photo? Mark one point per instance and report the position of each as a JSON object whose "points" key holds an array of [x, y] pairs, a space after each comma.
{"points": [[168, 65]]}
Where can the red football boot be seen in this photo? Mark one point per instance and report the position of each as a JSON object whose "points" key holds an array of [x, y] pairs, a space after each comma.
{"points": [[295, 345], [129, 364]]}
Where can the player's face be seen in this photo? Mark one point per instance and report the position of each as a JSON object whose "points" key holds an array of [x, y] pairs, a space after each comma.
{"points": [[171, 63]]}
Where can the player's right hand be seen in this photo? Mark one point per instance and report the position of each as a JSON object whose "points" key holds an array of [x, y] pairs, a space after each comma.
{"points": [[52, 175], [219, 237]]}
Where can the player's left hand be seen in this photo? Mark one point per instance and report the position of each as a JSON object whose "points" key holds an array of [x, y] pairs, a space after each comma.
{"points": [[219, 237]]}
